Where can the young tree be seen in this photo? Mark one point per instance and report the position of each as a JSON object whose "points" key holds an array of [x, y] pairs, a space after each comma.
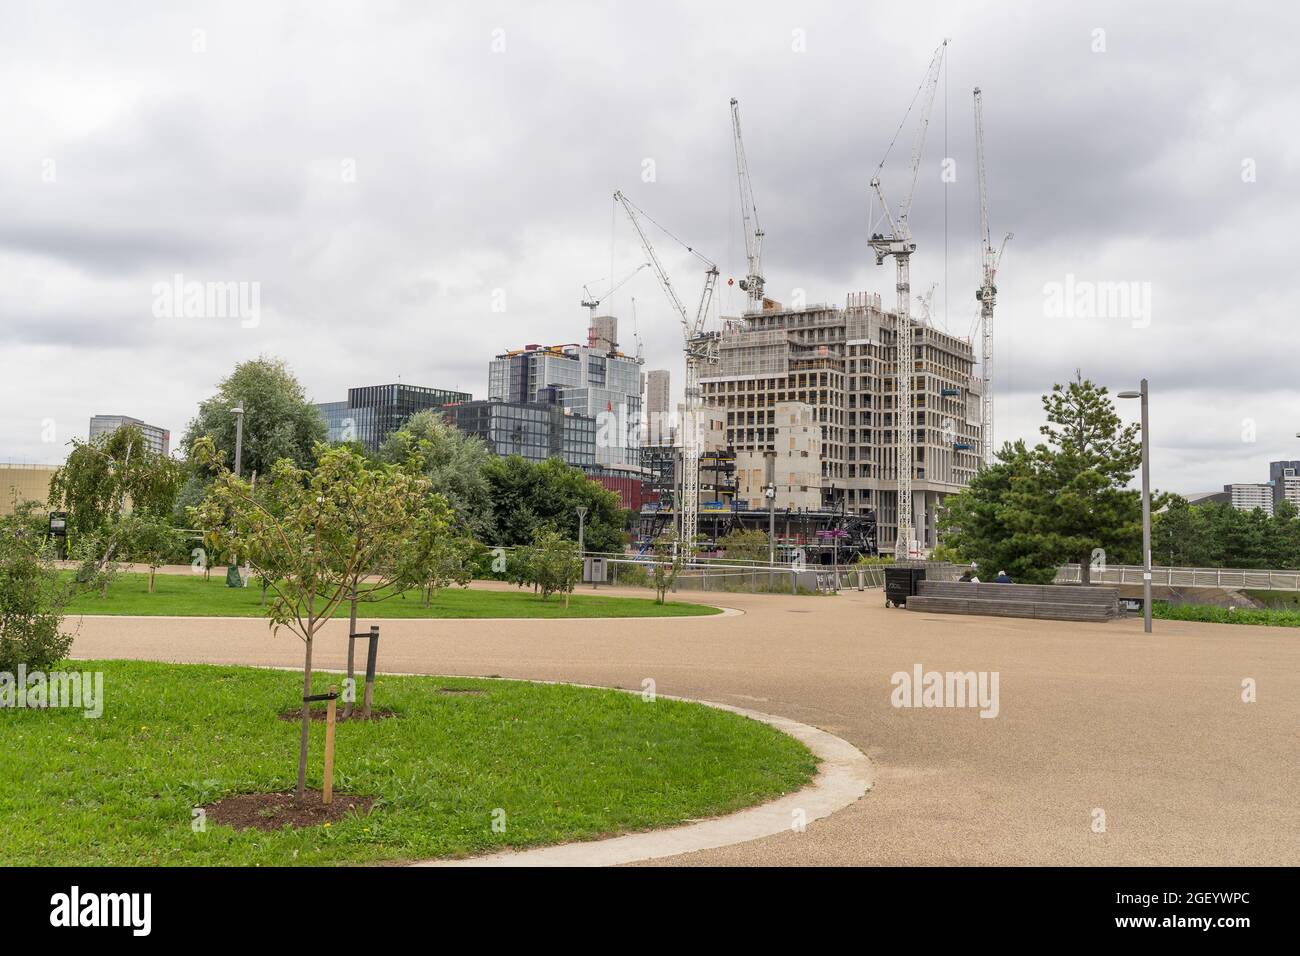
{"points": [[152, 541], [279, 421], [310, 533], [667, 565], [555, 565], [33, 595]]}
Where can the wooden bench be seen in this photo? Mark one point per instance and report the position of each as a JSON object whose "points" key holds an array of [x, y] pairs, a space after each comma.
{"points": [[1043, 601]]}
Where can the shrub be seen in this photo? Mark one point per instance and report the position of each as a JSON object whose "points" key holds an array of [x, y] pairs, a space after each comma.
{"points": [[32, 598]]}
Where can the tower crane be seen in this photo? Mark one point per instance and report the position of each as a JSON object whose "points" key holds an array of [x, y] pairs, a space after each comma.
{"points": [[592, 303], [987, 293], [752, 284], [898, 243], [700, 348]]}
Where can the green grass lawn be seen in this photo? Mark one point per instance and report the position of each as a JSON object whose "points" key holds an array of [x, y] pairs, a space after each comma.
{"points": [[564, 763], [191, 596]]}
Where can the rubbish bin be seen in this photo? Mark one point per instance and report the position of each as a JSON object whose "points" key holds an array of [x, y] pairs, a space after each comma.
{"points": [[901, 583]]}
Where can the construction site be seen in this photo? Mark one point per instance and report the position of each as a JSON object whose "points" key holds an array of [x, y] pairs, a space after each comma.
{"points": [[826, 426]]}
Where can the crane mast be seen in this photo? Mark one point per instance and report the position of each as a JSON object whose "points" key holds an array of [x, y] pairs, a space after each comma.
{"points": [[898, 243], [752, 284], [700, 349], [988, 292]]}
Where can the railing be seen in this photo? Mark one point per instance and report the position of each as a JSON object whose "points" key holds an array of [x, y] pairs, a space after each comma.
{"points": [[1186, 577]]}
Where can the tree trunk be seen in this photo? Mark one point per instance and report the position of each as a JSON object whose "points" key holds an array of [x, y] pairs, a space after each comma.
{"points": [[151, 572], [306, 715], [1085, 570]]}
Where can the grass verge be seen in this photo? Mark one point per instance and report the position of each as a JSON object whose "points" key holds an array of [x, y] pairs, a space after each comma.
{"points": [[556, 763], [1221, 615], [191, 596]]}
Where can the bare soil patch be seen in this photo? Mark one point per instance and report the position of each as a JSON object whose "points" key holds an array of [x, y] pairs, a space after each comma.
{"points": [[271, 811], [319, 713]]}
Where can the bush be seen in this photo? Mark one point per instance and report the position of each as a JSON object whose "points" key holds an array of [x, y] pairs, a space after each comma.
{"points": [[32, 598], [1223, 615]]}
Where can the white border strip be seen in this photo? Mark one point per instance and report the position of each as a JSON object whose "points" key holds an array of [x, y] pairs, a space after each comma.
{"points": [[843, 776]]}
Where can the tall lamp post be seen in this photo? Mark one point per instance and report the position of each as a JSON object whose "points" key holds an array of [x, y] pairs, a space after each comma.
{"points": [[1141, 393], [582, 518], [239, 439]]}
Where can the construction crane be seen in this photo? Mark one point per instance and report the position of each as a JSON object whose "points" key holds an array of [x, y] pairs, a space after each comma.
{"points": [[592, 303], [636, 332], [752, 284], [700, 349], [898, 243], [987, 293]]}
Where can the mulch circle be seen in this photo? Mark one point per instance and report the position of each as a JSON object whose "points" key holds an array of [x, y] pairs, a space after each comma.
{"points": [[317, 713], [271, 811]]}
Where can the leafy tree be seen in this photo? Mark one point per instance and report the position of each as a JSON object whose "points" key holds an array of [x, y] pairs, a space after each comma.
{"points": [[1083, 503], [741, 545], [993, 522], [1034, 509], [279, 421], [111, 474], [528, 496], [309, 533], [152, 541], [555, 564], [33, 594], [454, 463]]}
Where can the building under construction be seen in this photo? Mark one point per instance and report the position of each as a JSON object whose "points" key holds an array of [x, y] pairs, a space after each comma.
{"points": [[843, 364]]}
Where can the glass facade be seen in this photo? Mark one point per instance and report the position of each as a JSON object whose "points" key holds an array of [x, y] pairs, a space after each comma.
{"points": [[374, 412], [533, 430], [603, 386]]}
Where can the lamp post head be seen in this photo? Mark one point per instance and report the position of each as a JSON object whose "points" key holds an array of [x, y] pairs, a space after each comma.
{"points": [[1130, 393], [237, 411]]}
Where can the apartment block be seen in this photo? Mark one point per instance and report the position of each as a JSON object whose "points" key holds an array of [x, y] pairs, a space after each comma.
{"points": [[843, 364], [594, 379], [1247, 496], [1284, 476], [157, 440]]}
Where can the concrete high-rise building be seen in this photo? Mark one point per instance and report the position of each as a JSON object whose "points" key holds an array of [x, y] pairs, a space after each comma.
{"points": [[595, 380], [1247, 496], [1284, 476], [842, 363], [657, 392], [797, 468], [158, 440]]}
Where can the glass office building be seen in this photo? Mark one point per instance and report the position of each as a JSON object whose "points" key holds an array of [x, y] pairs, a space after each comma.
{"points": [[532, 430], [373, 412]]}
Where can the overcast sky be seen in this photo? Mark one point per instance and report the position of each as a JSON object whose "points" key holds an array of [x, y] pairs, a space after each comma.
{"points": [[381, 170]]}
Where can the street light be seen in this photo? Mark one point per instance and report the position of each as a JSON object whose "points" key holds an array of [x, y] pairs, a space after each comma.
{"points": [[1141, 393], [582, 516], [239, 438]]}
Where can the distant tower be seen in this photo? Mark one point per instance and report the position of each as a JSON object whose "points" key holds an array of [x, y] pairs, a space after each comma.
{"points": [[656, 404], [602, 335]]}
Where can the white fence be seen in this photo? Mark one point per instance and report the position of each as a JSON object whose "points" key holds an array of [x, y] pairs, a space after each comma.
{"points": [[1186, 577]]}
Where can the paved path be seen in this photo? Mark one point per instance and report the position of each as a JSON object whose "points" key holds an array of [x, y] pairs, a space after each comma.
{"points": [[1151, 730]]}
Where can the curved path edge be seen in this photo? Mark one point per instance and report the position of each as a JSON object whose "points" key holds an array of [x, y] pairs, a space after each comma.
{"points": [[843, 777]]}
